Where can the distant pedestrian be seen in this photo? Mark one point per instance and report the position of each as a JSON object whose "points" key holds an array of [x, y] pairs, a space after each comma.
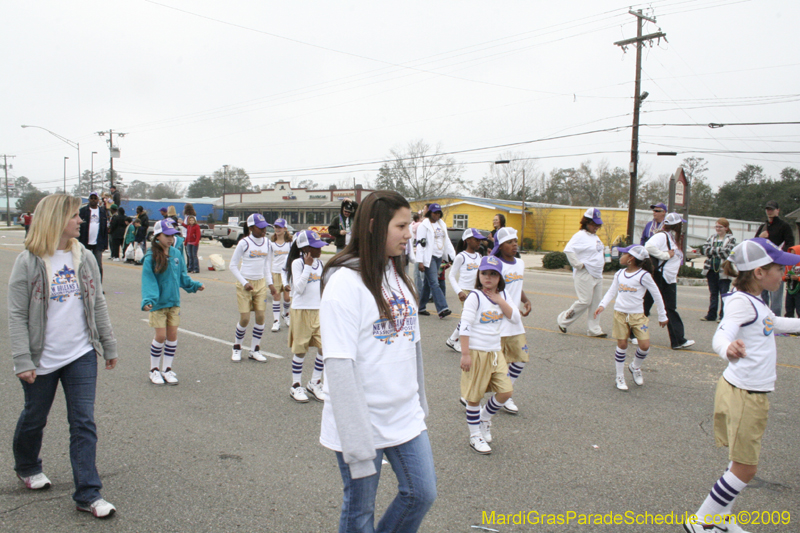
{"points": [[130, 236], [26, 222], [779, 232], [341, 226], [433, 248], [116, 197], [655, 225], [192, 243], [279, 245], [163, 274], [144, 222], [58, 324], [717, 249], [94, 229], [117, 229], [791, 277]]}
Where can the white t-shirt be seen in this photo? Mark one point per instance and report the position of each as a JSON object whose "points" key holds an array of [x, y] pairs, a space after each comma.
{"points": [[513, 274], [278, 255], [466, 266], [306, 284], [66, 336], [749, 319], [94, 225], [254, 256], [630, 289], [658, 243], [384, 353], [589, 249], [481, 321]]}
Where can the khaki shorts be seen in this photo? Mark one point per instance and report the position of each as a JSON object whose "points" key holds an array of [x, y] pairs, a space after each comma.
{"points": [[277, 280], [637, 323], [304, 330], [515, 348], [485, 376], [168, 316], [255, 300], [740, 418]]}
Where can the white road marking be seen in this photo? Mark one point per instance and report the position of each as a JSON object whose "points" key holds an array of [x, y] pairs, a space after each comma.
{"points": [[226, 343]]}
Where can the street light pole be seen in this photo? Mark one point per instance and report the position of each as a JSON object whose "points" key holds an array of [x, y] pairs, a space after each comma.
{"points": [[224, 179], [75, 145], [65, 174], [91, 178]]}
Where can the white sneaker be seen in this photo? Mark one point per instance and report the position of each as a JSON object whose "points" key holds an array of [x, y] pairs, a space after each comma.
{"points": [[621, 385], [286, 319], [486, 430], [479, 444], [255, 355], [35, 482], [510, 407], [315, 389], [155, 377], [236, 356], [637, 375], [684, 345], [276, 326], [298, 394], [170, 377], [99, 508], [635, 341], [450, 343], [463, 401], [728, 527]]}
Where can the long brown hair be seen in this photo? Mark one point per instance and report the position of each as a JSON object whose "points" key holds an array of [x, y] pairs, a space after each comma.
{"points": [[677, 229], [368, 246], [160, 256]]}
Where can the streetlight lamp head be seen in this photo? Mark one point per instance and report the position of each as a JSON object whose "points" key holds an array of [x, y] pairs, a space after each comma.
{"points": [[24, 126], [502, 162]]}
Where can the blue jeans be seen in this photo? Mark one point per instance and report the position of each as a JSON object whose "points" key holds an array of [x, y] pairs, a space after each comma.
{"points": [[191, 258], [773, 299], [412, 463], [79, 380], [431, 287]]}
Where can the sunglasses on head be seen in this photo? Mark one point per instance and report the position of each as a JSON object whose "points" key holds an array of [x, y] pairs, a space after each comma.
{"points": [[658, 210]]}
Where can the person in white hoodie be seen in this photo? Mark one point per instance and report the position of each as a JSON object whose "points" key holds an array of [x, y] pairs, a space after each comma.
{"points": [[585, 254], [433, 248]]}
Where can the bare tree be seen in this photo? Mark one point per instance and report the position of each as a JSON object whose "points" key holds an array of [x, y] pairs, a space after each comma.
{"points": [[420, 171], [538, 218], [505, 181], [612, 230]]}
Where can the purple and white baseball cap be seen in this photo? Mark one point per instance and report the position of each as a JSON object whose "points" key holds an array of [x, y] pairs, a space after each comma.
{"points": [[594, 214], [257, 220], [433, 208], [93, 193], [311, 238], [758, 252], [472, 232], [673, 218], [659, 205], [280, 223], [636, 251], [165, 226], [490, 262]]}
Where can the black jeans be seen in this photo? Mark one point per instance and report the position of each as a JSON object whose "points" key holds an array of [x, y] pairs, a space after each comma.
{"points": [[717, 287], [792, 304], [669, 293], [115, 244]]}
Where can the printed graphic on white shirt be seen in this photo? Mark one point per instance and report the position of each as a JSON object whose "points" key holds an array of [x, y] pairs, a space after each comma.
{"points": [[403, 321], [64, 285]]}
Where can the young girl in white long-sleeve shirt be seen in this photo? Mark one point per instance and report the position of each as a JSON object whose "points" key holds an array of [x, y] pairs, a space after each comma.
{"points": [[629, 287], [745, 339], [463, 274]]}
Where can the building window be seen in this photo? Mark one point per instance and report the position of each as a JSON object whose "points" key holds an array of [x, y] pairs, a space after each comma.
{"points": [[460, 221], [315, 217], [292, 217]]}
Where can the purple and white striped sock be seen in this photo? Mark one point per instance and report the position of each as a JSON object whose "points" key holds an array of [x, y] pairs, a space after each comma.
{"points": [[491, 408], [639, 359], [276, 310], [318, 367], [455, 335], [474, 420], [156, 349], [619, 360], [720, 500], [297, 368], [170, 347], [514, 370], [258, 331], [286, 307], [241, 331]]}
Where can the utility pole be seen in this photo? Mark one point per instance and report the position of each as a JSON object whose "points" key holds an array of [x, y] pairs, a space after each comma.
{"points": [[91, 176], [637, 102], [113, 152], [224, 179], [8, 200]]}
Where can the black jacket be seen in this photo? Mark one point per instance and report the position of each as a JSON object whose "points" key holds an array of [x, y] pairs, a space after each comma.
{"points": [[102, 230], [336, 227], [117, 227], [780, 233]]}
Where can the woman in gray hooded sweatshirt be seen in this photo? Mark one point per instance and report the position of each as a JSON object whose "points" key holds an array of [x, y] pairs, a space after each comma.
{"points": [[58, 323]]}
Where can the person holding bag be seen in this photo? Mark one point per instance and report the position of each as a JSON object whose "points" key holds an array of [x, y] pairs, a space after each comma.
{"points": [[717, 249]]}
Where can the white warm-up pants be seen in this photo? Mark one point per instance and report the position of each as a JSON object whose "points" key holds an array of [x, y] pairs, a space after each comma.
{"points": [[590, 291]]}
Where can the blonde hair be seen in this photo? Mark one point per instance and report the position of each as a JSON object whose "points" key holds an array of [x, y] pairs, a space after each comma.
{"points": [[171, 211], [49, 222], [190, 218]]}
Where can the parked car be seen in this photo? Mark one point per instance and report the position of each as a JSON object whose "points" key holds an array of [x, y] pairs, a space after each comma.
{"points": [[206, 232], [455, 236]]}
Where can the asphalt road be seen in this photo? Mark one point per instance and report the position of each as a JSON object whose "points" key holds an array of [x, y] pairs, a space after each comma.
{"points": [[228, 450]]}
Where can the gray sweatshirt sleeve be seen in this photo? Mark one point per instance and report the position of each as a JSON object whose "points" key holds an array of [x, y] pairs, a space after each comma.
{"points": [[18, 305], [352, 416]]}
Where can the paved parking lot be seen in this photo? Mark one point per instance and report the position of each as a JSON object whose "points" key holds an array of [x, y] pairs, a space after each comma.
{"points": [[227, 450]]}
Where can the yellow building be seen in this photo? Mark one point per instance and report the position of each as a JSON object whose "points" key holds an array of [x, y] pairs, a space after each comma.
{"points": [[547, 227]]}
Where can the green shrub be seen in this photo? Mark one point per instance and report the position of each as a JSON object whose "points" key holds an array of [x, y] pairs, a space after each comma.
{"points": [[613, 266], [554, 260], [690, 272]]}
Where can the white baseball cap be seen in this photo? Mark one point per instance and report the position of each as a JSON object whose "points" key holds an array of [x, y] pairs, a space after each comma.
{"points": [[758, 252]]}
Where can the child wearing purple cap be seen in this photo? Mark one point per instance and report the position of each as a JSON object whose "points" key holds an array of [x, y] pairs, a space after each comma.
{"points": [[483, 366], [629, 287], [163, 274], [303, 276], [463, 274], [745, 340]]}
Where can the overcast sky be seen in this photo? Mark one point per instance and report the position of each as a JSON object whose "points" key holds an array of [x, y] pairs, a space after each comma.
{"points": [[283, 88]]}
